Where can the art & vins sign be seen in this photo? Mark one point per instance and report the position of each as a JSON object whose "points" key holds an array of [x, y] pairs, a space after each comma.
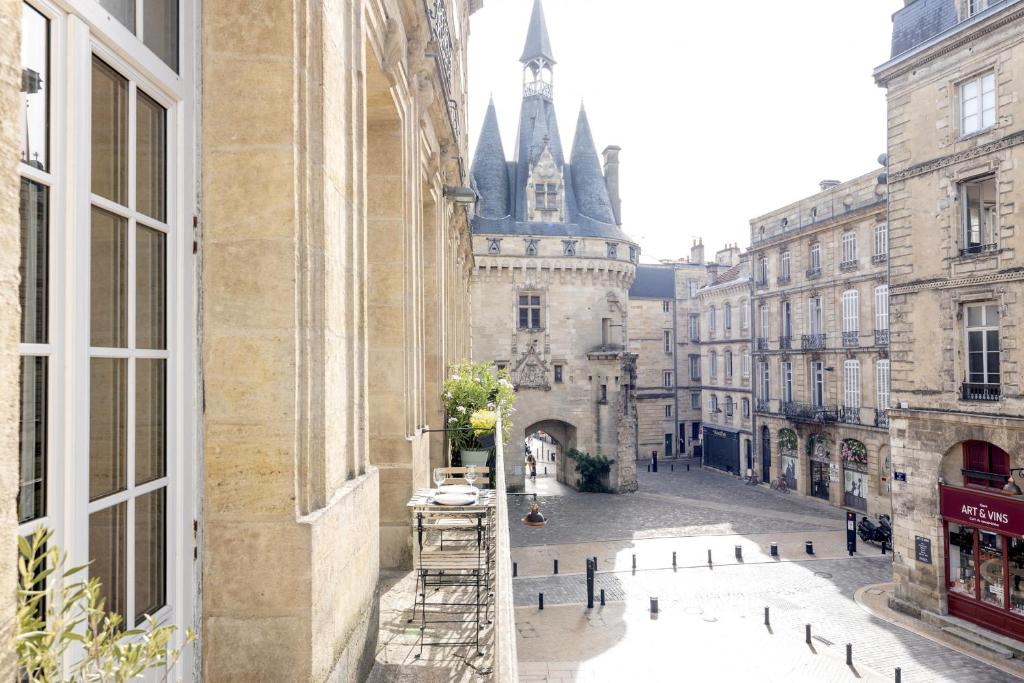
{"points": [[984, 510]]}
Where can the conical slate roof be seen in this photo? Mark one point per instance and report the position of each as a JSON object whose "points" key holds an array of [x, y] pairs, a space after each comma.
{"points": [[489, 171], [588, 183], [538, 44]]}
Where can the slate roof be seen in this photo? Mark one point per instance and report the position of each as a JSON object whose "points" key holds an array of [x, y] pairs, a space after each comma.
{"points": [[653, 282], [922, 20], [501, 210], [538, 44]]}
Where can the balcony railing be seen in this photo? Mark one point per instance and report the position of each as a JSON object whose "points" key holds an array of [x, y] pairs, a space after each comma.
{"points": [[762, 344], [437, 14], [782, 280], [975, 249], [881, 418], [812, 342], [973, 391], [879, 258], [851, 338], [806, 412], [848, 415], [762, 284], [813, 273], [881, 337], [505, 656], [847, 266], [785, 342], [762, 406]]}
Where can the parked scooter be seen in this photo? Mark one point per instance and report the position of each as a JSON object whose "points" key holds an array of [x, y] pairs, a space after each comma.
{"points": [[870, 532]]}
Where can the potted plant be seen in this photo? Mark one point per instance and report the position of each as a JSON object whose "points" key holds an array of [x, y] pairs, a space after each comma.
{"points": [[473, 395]]}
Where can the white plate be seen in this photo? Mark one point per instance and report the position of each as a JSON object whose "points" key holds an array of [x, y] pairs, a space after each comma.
{"points": [[459, 488], [454, 499]]}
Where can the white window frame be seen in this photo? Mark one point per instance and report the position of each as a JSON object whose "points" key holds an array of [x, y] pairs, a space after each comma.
{"points": [[882, 307], [668, 410], [666, 306], [695, 400], [762, 269], [882, 384], [744, 315], [694, 367], [694, 327], [666, 378], [667, 340], [882, 239], [975, 114], [786, 370], [765, 322], [727, 316], [786, 311], [711, 322], [745, 363], [728, 364], [851, 311], [816, 256], [851, 383], [988, 223], [730, 406], [814, 316], [984, 328], [818, 383], [713, 364], [784, 265], [849, 241], [78, 30], [764, 385], [694, 286]]}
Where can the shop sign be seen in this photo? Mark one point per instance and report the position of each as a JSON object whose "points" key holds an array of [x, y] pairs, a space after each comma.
{"points": [[987, 511], [833, 472], [923, 549]]}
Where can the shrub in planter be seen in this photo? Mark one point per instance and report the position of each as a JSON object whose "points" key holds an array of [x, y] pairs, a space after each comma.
{"points": [[592, 470], [473, 395]]}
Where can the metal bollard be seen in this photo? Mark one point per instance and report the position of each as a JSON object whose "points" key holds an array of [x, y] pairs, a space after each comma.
{"points": [[807, 634], [849, 654], [687, 467], [709, 557], [634, 561], [595, 563], [673, 559], [739, 553], [556, 566], [602, 597], [648, 467], [654, 605], [775, 549], [899, 675], [883, 547], [590, 585], [540, 601], [515, 570], [809, 547], [767, 621]]}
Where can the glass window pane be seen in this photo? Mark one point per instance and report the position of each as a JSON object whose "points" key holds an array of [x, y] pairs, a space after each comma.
{"points": [[961, 559], [109, 280], [151, 157], [991, 568], [160, 29], [107, 550], [123, 11], [535, 300], [150, 289], [150, 553], [150, 419], [32, 442], [1015, 553], [974, 316], [991, 315], [33, 289], [108, 426], [109, 133], [35, 88]]}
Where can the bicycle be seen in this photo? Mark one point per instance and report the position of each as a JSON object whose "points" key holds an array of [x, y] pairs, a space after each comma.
{"points": [[752, 480], [780, 485]]}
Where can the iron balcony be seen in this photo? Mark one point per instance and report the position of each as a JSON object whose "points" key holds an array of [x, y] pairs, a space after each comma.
{"points": [[762, 344], [847, 266], [881, 337], [785, 342], [974, 391], [851, 338], [813, 273], [806, 412], [812, 342], [850, 416], [881, 418]]}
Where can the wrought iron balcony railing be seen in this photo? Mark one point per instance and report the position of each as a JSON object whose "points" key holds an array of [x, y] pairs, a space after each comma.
{"points": [[762, 344], [974, 391], [762, 284], [806, 412], [848, 415], [879, 258], [812, 342], [782, 280], [847, 266], [762, 406], [881, 337], [813, 273], [976, 249], [851, 338], [437, 14], [881, 418], [785, 342]]}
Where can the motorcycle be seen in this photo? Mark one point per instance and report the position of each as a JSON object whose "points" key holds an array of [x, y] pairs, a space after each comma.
{"points": [[878, 534]]}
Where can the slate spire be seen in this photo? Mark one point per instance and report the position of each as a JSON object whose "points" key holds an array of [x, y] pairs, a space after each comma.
{"points": [[588, 184], [489, 171], [538, 44]]}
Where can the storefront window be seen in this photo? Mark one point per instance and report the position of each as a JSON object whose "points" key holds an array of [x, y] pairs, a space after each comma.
{"points": [[1015, 554], [961, 559], [990, 548]]}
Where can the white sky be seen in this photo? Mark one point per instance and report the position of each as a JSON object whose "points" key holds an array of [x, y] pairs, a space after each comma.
{"points": [[724, 110]]}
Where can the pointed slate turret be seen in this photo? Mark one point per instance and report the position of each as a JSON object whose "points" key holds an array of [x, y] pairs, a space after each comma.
{"points": [[489, 171], [538, 44], [588, 184]]}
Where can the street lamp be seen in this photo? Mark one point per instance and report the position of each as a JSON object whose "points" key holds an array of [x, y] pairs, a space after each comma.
{"points": [[460, 195]]}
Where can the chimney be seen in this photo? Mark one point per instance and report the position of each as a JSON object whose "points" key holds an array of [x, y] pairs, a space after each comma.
{"points": [[611, 179], [697, 251], [827, 184]]}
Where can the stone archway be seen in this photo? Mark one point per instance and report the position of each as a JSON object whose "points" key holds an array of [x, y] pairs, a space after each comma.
{"points": [[562, 435]]}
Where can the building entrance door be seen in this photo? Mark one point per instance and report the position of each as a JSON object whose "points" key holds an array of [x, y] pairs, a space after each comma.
{"points": [[766, 456], [819, 479]]}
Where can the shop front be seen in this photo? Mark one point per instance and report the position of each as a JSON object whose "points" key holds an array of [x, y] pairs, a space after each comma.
{"points": [[722, 449], [820, 458], [984, 541], [855, 474], [788, 457]]}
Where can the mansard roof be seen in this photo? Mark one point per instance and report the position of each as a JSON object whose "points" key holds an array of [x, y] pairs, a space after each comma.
{"points": [[538, 44]]}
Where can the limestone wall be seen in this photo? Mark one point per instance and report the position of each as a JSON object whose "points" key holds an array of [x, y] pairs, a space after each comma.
{"points": [[648, 322], [10, 317]]}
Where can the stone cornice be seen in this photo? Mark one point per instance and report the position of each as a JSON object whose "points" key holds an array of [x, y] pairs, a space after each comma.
{"points": [[957, 283], [758, 247], [1011, 140]]}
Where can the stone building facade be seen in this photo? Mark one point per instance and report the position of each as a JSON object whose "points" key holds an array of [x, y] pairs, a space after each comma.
{"points": [[550, 289], [727, 410], [821, 344], [261, 304], [956, 153]]}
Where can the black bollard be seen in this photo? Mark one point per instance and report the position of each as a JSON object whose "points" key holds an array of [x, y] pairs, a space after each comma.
{"points": [[634, 561], [556, 566], [687, 467], [899, 675], [515, 570], [595, 563], [673, 559], [590, 585], [883, 547], [739, 553], [767, 621], [775, 549], [709, 557], [807, 634], [809, 547], [849, 654], [602, 597], [540, 601], [672, 467], [648, 467], [654, 605]]}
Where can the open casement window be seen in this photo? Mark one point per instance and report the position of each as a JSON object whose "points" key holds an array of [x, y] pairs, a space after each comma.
{"points": [[818, 383], [982, 330], [977, 103], [979, 214], [985, 465], [529, 311]]}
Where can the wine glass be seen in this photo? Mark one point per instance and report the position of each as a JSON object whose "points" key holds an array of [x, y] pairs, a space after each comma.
{"points": [[439, 476], [471, 475]]}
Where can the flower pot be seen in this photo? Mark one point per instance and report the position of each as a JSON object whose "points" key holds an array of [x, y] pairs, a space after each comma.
{"points": [[474, 457], [486, 440]]}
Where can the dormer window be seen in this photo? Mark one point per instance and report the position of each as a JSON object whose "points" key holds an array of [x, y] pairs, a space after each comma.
{"points": [[547, 196], [634, 254], [493, 247], [545, 189], [569, 247], [531, 247], [613, 250]]}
